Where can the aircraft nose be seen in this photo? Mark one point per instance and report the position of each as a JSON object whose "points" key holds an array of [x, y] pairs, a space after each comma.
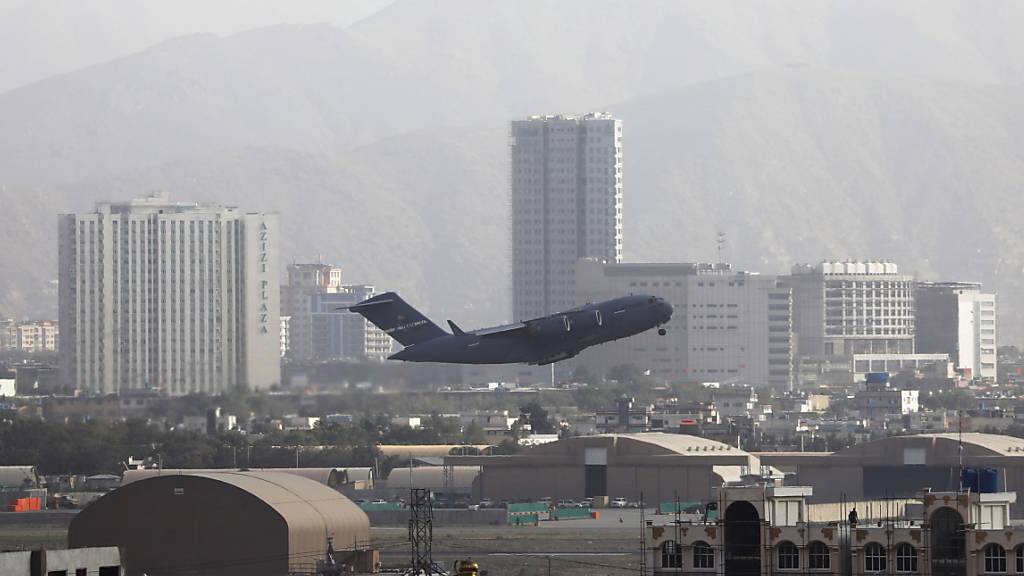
{"points": [[665, 308]]}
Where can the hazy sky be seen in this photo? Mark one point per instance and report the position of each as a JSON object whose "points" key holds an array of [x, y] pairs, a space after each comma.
{"points": [[39, 38]]}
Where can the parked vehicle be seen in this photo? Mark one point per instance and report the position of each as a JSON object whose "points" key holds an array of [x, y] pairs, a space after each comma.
{"points": [[587, 503], [618, 503], [567, 503]]}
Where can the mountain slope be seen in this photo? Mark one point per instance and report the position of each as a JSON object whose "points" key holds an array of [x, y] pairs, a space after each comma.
{"points": [[418, 65]]}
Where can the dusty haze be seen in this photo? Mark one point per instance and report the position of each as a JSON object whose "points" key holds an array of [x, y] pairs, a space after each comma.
{"points": [[803, 130]]}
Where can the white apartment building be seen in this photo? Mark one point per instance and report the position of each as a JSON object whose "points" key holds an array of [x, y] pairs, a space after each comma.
{"points": [[728, 326], [181, 296], [31, 336], [958, 319], [846, 308], [566, 176], [318, 330]]}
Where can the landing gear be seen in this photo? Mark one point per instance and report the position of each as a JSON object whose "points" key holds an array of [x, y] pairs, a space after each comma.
{"points": [[662, 331]]}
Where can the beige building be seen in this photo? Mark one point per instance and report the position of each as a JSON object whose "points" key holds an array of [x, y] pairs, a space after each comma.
{"points": [[728, 326], [31, 336], [768, 530], [566, 175], [659, 466], [180, 296]]}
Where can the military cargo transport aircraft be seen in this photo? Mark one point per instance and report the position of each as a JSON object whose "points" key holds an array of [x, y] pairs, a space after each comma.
{"points": [[539, 341]]}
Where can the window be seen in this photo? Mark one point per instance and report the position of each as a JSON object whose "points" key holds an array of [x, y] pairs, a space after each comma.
{"points": [[1020, 559], [703, 555], [874, 557], [995, 559], [818, 556], [671, 555], [789, 556], [906, 558]]}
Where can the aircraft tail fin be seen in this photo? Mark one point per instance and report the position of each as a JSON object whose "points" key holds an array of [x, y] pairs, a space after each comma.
{"points": [[398, 319], [455, 329]]}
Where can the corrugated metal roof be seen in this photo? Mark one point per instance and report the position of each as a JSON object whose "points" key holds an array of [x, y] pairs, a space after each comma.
{"points": [[312, 510], [432, 477], [682, 444], [427, 450], [332, 477], [996, 444]]}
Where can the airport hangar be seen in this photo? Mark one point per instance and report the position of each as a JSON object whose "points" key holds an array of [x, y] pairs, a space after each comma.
{"points": [[900, 466], [661, 467], [225, 524]]}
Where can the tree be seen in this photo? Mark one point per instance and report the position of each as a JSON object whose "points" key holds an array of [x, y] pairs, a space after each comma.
{"points": [[537, 417], [474, 434]]}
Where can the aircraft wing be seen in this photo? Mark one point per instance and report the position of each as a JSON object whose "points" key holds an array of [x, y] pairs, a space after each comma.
{"points": [[501, 330]]}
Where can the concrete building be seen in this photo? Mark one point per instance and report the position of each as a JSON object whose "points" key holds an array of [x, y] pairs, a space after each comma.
{"points": [[226, 524], [31, 336], [318, 330], [181, 296], [958, 319], [497, 423], [759, 530], [846, 308], [285, 334], [659, 466], [877, 401], [566, 176], [728, 326], [625, 417]]}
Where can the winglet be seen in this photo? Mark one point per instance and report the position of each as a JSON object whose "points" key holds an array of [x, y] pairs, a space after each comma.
{"points": [[455, 329]]}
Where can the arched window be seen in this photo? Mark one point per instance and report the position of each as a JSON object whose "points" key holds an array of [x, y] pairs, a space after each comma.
{"points": [[703, 555], [906, 558], [874, 557], [818, 556], [995, 559], [1020, 559], [789, 556], [671, 555]]}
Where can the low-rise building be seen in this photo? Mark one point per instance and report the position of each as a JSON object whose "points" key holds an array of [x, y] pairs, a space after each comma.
{"points": [[493, 422], [29, 336], [625, 417], [735, 401], [879, 400]]}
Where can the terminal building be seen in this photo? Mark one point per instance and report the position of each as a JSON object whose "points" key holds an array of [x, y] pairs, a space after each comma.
{"points": [[760, 529]]}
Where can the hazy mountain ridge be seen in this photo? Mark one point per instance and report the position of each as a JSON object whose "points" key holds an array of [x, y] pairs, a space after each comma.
{"points": [[412, 66], [49, 37], [804, 131]]}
